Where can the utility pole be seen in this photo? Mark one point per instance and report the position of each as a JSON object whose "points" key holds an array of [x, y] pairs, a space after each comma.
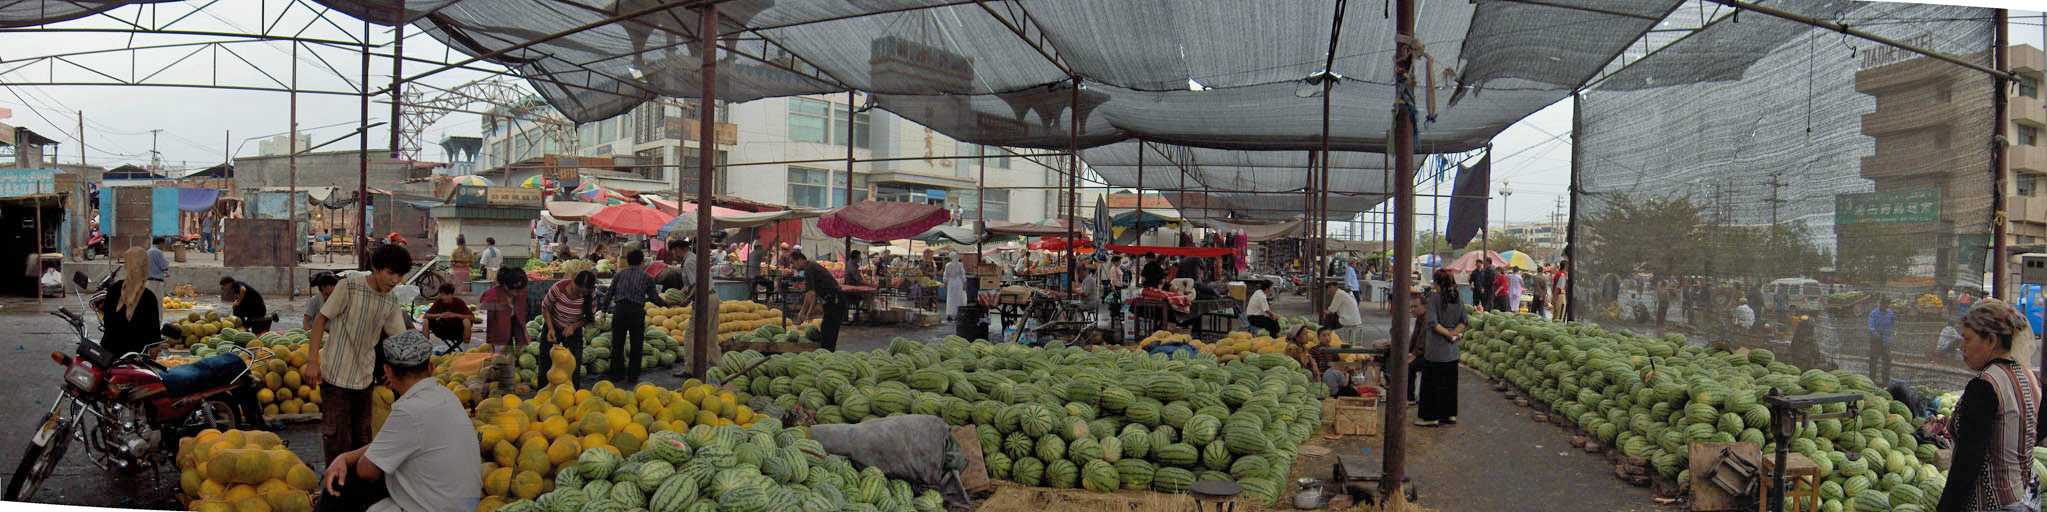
{"points": [[81, 137], [155, 158], [1776, 182]]}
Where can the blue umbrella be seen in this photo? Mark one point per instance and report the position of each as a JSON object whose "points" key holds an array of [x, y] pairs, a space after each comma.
{"points": [[681, 224]]}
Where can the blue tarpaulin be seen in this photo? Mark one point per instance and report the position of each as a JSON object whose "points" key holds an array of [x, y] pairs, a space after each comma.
{"points": [[107, 211], [197, 199], [163, 212]]}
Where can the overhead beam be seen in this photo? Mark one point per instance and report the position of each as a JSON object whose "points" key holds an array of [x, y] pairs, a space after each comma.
{"points": [[684, 4], [1845, 29], [1022, 31]]}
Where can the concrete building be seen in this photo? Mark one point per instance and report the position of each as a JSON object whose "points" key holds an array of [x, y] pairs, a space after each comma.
{"points": [[280, 145], [333, 169], [1928, 116], [1545, 239], [658, 141]]}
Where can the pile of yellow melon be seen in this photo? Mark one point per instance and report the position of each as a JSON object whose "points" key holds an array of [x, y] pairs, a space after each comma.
{"points": [[525, 441], [285, 390], [735, 317], [177, 303], [1159, 337], [238, 470], [197, 326]]}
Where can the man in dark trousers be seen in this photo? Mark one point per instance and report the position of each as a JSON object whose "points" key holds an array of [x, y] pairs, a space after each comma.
{"points": [[820, 296], [1482, 283], [631, 290]]}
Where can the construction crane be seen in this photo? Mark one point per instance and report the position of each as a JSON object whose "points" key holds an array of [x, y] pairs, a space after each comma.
{"points": [[498, 99]]}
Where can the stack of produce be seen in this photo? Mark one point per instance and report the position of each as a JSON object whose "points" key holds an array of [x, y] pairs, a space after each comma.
{"points": [[285, 390], [1165, 338], [529, 444], [237, 470], [757, 468], [198, 327], [1288, 323], [659, 350], [735, 318], [1066, 417], [572, 267], [774, 333], [178, 303], [1653, 397]]}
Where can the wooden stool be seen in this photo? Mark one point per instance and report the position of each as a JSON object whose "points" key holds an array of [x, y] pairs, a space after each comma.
{"points": [[1215, 495], [1800, 475]]}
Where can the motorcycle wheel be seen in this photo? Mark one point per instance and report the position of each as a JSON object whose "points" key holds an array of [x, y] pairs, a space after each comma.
{"points": [[38, 461], [220, 414]]}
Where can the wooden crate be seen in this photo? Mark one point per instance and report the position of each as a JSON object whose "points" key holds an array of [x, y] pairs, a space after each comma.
{"points": [[1701, 458], [259, 243], [1356, 416]]}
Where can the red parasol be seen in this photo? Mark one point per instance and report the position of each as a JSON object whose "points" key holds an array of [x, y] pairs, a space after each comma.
{"points": [[630, 219], [1058, 243], [1469, 261], [876, 221]]}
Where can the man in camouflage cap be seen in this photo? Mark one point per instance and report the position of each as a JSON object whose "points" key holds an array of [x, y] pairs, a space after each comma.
{"points": [[424, 457]]}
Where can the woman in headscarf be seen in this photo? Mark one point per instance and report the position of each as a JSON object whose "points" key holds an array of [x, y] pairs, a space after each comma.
{"points": [[132, 317], [1997, 423]]}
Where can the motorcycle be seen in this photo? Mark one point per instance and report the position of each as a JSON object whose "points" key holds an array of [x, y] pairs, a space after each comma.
{"points": [[128, 410], [95, 245]]}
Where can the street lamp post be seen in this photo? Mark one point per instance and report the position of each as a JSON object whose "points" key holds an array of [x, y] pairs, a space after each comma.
{"points": [[1506, 191]]}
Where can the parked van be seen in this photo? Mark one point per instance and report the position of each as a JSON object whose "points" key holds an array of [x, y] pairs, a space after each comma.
{"points": [[1800, 293]]}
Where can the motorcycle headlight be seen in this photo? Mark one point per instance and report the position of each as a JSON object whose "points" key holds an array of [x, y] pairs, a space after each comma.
{"points": [[81, 376]]}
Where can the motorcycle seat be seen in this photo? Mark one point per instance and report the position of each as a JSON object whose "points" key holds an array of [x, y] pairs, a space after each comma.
{"points": [[204, 374]]}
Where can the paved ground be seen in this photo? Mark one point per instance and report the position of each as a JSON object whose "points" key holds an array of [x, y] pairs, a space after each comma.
{"points": [[1489, 462]]}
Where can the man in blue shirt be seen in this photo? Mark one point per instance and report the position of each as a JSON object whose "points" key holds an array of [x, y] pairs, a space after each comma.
{"points": [[1350, 281], [1882, 319], [159, 266]]}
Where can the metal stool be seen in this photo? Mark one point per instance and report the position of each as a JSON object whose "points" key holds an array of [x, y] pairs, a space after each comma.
{"points": [[1215, 495]]}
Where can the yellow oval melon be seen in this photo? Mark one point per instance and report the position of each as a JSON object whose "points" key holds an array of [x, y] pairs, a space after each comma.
{"points": [[497, 482]]}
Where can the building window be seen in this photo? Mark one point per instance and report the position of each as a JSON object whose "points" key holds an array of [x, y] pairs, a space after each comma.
{"points": [[809, 120], [995, 205], [838, 129], [2029, 86], [2026, 183], [689, 172], [807, 188], [998, 158], [2029, 136], [650, 163]]}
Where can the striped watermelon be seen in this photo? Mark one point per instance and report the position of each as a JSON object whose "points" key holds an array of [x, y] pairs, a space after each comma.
{"points": [[1051, 448], [1099, 476], [1027, 471], [674, 494], [1061, 474], [1134, 473], [1173, 480]]}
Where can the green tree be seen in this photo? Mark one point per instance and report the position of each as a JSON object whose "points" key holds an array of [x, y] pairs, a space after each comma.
{"points": [[1658, 235]]}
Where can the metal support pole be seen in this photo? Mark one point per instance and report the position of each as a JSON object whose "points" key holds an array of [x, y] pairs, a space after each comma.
{"points": [[700, 332], [362, 159], [1322, 185], [848, 239], [981, 201], [398, 70], [1998, 163], [1403, 250], [1139, 226], [291, 150], [1308, 255], [1072, 184], [1571, 228]]}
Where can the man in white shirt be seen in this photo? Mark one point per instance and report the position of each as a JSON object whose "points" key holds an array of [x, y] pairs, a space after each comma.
{"points": [[1258, 311], [1349, 321], [424, 457], [1744, 316], [491, 259]]}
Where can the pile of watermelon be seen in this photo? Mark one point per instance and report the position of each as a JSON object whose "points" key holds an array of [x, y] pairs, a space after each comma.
{"points": [[1652, 397], [758, 468], [1064, 417]]}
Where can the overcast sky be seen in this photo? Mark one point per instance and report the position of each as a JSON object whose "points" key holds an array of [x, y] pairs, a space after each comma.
{"points": [[1532, 157]]}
